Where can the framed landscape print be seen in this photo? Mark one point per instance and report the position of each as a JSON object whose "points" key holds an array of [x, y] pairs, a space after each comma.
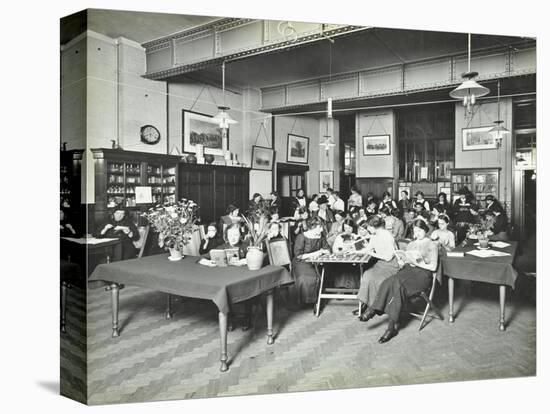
{"points": [[200, 129], [297, 149], [376, 145], [326, 180], [262, 158], [477, 139]]}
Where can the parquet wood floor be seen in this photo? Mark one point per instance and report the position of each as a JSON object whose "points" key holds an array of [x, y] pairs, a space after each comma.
{"points": [[158, 359]]}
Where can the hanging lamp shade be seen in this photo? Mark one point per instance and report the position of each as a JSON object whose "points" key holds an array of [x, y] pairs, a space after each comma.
{"points": [[498, 130], [222, 118], [469, 88]]}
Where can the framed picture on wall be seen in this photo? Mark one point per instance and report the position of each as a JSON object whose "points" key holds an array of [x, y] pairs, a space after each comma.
{"points": [[297, 149], [477, 139], [201, 129], [376, 145], [262, 158], [326, 180]]}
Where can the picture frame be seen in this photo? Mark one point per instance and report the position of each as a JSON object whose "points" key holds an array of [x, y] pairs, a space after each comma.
{"points": [[199, 128], [477, 138], [376, 145], [297, 149], [326, 180], [262, 158]]}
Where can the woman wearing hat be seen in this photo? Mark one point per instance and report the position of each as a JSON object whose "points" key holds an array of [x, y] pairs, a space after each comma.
{"points": [[324, 212], [120, 226], [497, 216]]}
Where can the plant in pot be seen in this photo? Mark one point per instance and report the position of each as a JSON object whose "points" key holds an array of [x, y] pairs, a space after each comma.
{"points": [[257, 222], [175, 224], [482, 231]]}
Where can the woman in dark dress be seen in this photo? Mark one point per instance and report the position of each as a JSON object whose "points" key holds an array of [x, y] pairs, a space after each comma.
{"points": [[309, 244], [122, 227], [442, 206], [211, 239], [464, 212], [419, 262], [497, 217]]}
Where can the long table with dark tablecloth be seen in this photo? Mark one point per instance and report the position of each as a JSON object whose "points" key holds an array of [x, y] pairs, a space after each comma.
{"points": [[222, 285], [496, 270]]}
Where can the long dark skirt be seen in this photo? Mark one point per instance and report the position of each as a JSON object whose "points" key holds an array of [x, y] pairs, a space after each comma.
{"points": [[396, 289], [305, 289]]}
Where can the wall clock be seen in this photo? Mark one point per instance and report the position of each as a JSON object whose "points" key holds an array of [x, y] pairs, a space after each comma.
{"points": [[149, 134]]}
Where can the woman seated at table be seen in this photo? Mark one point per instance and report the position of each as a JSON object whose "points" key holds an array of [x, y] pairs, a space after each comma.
{"points": [[442, 235], [336, 227], [360, 216], [409, 218], [497, 218], [233, 240], [324, 213], [381, 247], [419, 262], [442, 206], [211, 239], [371, 209], [464, 211], [300, 216], [120, 226], [66, 229], [313, 206], [342, 275], [308, 245], [355, 200], [387, 201]]}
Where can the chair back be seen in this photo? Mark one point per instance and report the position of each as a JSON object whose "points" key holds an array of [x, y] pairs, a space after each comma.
{"points": [[143, 240], [279, 253]]}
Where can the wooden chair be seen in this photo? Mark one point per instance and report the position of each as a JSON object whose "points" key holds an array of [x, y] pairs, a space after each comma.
{"points": [[140, 244], [426, 295], [278, 252]]}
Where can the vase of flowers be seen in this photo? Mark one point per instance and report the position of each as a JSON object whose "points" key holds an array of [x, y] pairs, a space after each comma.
{"points": [[257, 222], [175, 224], [481, 231]]}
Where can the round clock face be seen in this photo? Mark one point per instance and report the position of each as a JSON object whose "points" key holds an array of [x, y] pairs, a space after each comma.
{"points": [[149, 134]]}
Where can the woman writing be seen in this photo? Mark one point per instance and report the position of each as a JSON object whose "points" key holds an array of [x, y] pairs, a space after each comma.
{"points": [[381, 247], [419, 261]]}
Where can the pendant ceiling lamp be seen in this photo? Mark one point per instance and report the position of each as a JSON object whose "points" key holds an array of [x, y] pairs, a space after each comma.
{"points": [[222, 118], [469, 90], [498, 131]]}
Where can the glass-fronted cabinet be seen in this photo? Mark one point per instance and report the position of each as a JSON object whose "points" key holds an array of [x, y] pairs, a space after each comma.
{"points": [[481, 182]]}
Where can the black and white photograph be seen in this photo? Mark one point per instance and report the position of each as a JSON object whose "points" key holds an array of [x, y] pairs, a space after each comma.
{"points": [[477, 138], [200, 129], [326, 180], [376, 145], [194, 266], [297, 149], [262, 158]]}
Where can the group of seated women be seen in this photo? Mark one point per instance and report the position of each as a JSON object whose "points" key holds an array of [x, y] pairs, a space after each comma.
{"points": [[321, 225]]}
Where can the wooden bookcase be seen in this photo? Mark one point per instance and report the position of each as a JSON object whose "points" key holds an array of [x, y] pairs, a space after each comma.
{"points": [[480, 181], [119, 172]]}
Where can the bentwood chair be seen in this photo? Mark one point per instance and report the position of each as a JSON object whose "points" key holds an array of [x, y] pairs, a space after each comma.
{"points": [[426, 295]]}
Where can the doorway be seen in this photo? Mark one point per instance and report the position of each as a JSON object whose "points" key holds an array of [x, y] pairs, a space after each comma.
{"points": [[530, 204], [290, 179]]}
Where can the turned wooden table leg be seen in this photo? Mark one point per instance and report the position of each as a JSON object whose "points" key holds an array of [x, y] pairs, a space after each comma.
{"points": [[222, 319], [269, 311], [63, 305], [114, 304], [451, 299], [168, 306], [502, 297]]}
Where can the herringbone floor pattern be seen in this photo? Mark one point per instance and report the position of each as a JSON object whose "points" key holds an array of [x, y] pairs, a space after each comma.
{"points": [[156, 359]]}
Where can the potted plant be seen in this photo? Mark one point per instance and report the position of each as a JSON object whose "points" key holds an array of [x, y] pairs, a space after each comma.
{"points": [[175, 224], [257, 222], [482, 231]]}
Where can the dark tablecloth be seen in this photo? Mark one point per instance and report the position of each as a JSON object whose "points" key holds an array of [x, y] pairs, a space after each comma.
{"points": [[222, 285], [69, 272], [497, 270]]}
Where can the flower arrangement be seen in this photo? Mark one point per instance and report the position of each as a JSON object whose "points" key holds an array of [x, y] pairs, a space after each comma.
{"points": [[175, 223], [482, 228], [257, 222]]}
